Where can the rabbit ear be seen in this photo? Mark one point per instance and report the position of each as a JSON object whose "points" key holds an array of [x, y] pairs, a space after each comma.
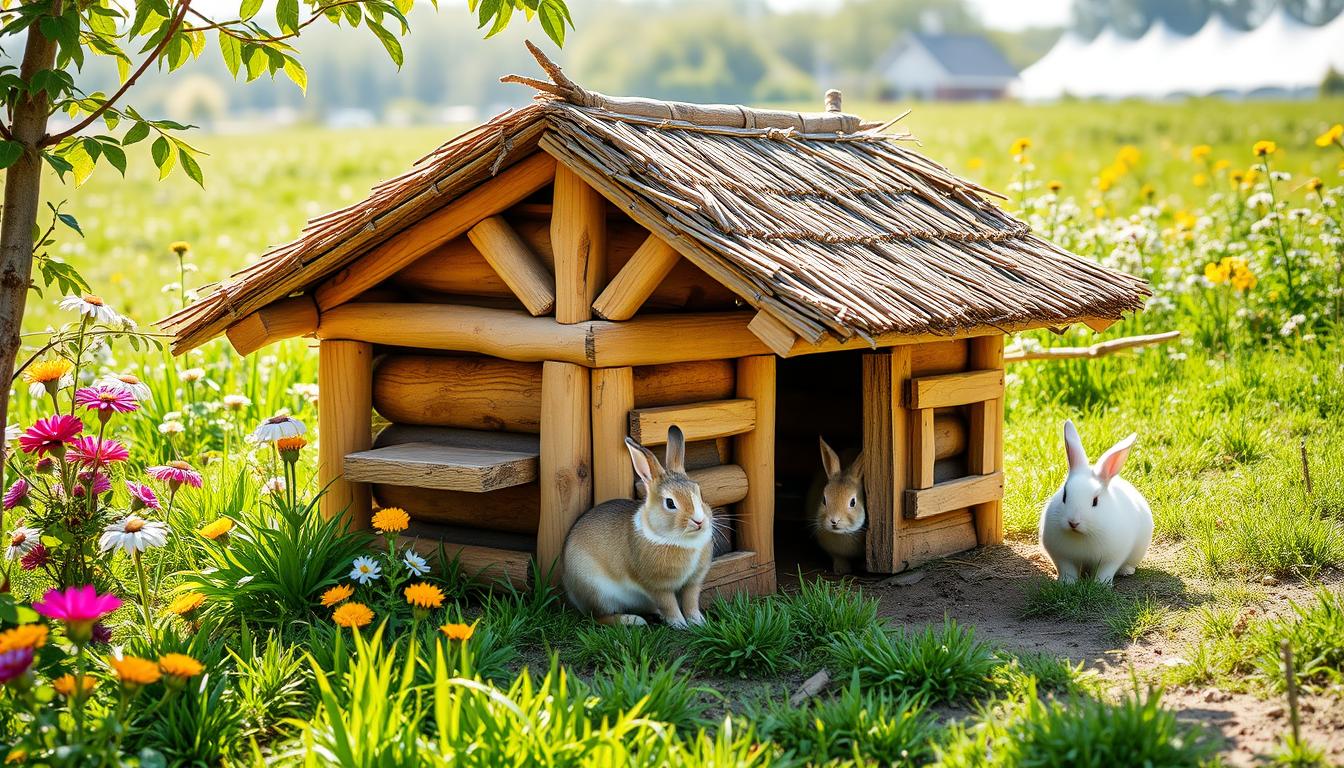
{"points": [[645, 463], [1073, 447], [676, 449], [1108, 466], [856, 468], [829, 461]]}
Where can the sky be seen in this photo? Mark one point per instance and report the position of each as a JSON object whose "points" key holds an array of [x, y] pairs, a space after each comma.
{"points": [[1000, 14]]}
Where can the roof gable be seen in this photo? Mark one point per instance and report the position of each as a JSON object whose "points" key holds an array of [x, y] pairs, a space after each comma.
{"points": [[967, 55]]}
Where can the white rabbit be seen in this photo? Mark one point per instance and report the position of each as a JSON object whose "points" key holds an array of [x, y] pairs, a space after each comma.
{"points": [[1096, 524]]}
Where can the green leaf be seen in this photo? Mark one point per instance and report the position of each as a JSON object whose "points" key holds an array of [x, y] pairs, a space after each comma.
{"points": [[232, 51], [59, 164], [249, 9], [257, 61], [10, 152], [162, 152], [296, 73], [553, 21], [116, 156], [389, 41], [138, 132], [191, 167], [287, 15]]}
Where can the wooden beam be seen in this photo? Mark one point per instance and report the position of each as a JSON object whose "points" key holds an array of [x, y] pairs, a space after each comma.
{"points": [[443, 467], [679, 383], [285, 319], [489, 198], [579, 242], [719, 485], [1100, 324], [636, 281], [774, 334], [953, 495], [613, 399], [882, 341], [755, 453], [886, 457], [481, 564], [566, 458], [515, 263], [985, 441], [466, 392], [953, 389], [698, 421], [345, 424], [655, 339], [922, 449]]}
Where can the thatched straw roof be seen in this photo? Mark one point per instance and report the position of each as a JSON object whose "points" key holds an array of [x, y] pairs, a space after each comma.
{"points": [[823, 221]]}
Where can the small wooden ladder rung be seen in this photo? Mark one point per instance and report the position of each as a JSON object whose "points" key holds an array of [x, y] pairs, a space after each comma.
{"points": [[445, 467]]}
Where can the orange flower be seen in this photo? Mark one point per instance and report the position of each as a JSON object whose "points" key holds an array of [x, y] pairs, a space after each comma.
{"points": [[23, 636], [1264, 147], [218, 528], [337, 594], [180, 665], [186, 603], [134, 671], [352, 615], [391, 520], [462, 632], [65, 684], [422, 595]]}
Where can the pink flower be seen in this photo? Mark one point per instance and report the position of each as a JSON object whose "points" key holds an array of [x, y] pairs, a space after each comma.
{"points": [[91, 451], [50, 435], [78, 607], [36, 558], [14, 663], [16, 494], [142, 496], [175, 473], [100, 481], [106, 399]]}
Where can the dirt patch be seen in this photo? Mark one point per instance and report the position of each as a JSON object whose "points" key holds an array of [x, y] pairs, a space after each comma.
{"points": [[988, 589]]}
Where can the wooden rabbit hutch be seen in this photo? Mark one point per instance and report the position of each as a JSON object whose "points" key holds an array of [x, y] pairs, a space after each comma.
{"points": [[591, 267]]}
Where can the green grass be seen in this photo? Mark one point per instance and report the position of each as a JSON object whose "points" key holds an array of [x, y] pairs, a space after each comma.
{"points": [[866, 726], [941, 664], [742, 636]]}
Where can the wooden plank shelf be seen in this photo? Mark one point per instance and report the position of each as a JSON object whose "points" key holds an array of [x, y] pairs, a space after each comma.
{"points": [[953, 495], [445, 467], [952, 389], [698, 421]]}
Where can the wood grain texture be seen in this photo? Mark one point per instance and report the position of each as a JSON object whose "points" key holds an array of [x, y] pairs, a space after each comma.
{"points": [[985, 441], [886, 459], [952, 389], [940, 536], [952, 495], [489, 198], [579, 245], [566, 457], [698, 421], [680, 383], [921, 448], [345, 425], [773, 333], [637, 280], [466, 392], [671, 338], [719, 485], [449, 468], [515, 263], [613, 399], [754, 451], [486, 565], [285, 319]]}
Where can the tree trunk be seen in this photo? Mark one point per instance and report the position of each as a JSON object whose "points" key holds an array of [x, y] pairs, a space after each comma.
{"points": [[23, 191]]}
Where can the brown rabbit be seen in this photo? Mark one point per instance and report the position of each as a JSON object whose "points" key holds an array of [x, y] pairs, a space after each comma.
{"points": [[840, 514], [624, 557]]}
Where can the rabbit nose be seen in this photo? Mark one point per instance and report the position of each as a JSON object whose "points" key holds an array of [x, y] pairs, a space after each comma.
{"points": [[835, 524], [696, 523], [1073, 524]]}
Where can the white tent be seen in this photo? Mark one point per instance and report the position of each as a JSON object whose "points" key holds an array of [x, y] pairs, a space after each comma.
{"points": [[1281, 55]]}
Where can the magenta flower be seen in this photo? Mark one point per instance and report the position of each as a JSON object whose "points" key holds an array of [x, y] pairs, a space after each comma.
{"points": [[106, 399], [92, 451], [14, 663], [50, 435], [36, 558], [142, 496], [16, 494], [100, 481], [78, 607], [176, 473]]}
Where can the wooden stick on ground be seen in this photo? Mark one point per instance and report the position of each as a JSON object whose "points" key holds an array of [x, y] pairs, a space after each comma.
{"points": [[1017, 354], [810, 687]]}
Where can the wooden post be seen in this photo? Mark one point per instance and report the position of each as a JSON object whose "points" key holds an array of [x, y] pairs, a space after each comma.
{"points": [[636, 281], [566, 458], [515, 263], [613, 399], [885, 451], [984, 453], [579, 242], [755, 452], [345, 424]]}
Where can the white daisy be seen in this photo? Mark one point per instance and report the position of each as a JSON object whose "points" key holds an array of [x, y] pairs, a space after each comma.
{"points": [[276, 485], [278, 428], [365, 570], [22, 540], [415, 563], [192, 375], [133, 534], [12, 433], [236, 402], [172, 427], [92, 307], [127, 382]]}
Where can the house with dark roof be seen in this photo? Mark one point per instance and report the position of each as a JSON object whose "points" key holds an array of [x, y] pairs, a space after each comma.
{"points": [[945, 67], [591, 268]]}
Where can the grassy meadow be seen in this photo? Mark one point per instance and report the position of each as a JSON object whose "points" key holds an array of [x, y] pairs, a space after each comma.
{"points": [[1247, 264]]}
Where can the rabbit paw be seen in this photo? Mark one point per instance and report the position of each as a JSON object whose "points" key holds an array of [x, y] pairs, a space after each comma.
{"points": [[632, 620], [695, 618]]}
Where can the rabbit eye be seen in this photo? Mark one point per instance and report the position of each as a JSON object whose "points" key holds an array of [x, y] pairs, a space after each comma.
{"points": [[1094, 500], [852, 501], [669, 503], [1066, 496]]}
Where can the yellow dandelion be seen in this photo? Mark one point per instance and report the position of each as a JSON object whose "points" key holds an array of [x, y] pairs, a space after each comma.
{"points": [[1199, 180], [1147, 192], [391, 520], [1332, 135], [1314, 184], [180, 665], [1055, 185], [65, 684], [337, 594], [1128, 156], [23, 636], [1200, 152], [352, 615], [1021, 145], [218, 528], [1185, 220], [44, 371], [1222, 165], [179, 247], [1264, 147], [134, 671], [1217, 273], [1237, 177], [460, 632], [1244, 280], [422, 595], [185, 603]]}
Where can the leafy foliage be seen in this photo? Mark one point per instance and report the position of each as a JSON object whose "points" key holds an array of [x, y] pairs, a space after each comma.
{"points": [[655, 690], [868, 727], [743, 636], [943, 664]]}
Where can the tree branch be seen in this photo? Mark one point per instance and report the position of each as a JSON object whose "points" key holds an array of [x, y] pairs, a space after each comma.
{"points": [[153, 56], [224, 26]]}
